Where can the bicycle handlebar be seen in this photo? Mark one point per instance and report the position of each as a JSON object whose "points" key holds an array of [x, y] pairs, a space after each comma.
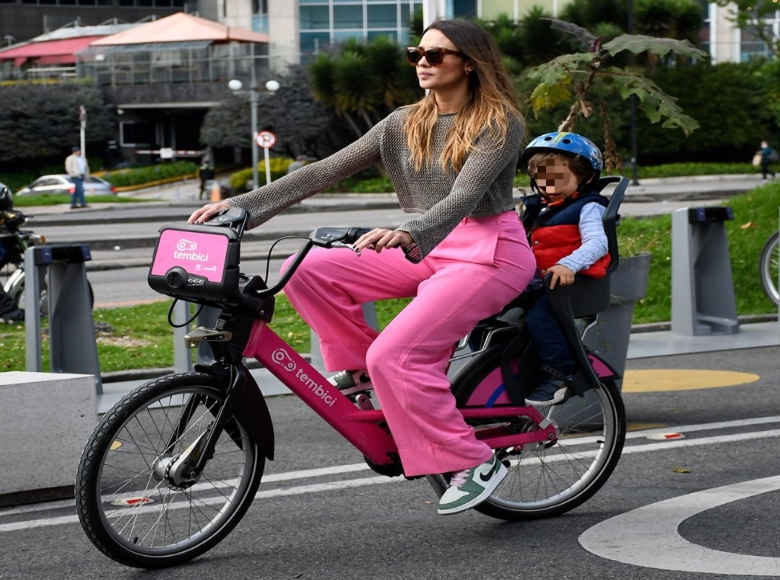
{"points": [[323, 237], [200, 262]]}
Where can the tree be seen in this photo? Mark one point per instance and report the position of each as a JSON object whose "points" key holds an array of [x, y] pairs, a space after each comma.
{"points": [[570, 78], [363, 82], [753, 15], [42, 121], [292, 113]]}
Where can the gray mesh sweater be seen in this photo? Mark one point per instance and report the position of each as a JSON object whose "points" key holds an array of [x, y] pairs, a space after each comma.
{"points": [[483, 187]]}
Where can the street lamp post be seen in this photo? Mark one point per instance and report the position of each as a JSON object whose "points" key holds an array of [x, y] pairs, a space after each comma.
{"points": [[632, 100], [254, 97]]}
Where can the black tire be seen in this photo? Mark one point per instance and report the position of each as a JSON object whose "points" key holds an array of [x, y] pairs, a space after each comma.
{"points": [[550, 480], [769, 268], [128, 507]]}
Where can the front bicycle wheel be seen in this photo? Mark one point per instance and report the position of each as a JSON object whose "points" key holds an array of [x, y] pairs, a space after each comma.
{"points": [[130, 504], [769, 268], [552, 478]]}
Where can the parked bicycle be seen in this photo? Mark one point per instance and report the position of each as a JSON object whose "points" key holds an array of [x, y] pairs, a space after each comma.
{"points": [[769, 267], [171, 469], [16, 241]]}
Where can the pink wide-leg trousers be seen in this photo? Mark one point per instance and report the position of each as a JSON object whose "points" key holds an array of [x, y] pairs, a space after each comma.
{"points": [[482, 265]]}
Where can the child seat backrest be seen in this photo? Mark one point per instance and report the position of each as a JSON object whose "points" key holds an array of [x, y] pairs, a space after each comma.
{"points": [[589, 296]]}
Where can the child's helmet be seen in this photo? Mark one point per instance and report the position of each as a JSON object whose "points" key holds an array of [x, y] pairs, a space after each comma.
{"points": [[570, 143], [6, 199]]}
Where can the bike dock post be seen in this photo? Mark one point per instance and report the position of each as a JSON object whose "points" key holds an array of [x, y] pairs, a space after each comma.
{"points": [[182, 355], [703, 301], [72, 343]]}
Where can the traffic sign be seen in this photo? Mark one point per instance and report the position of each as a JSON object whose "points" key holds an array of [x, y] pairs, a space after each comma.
{"points": [[265, 139]]}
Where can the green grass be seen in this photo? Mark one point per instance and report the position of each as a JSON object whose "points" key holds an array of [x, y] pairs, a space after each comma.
{"points": [[45, 199], [139, 336]]}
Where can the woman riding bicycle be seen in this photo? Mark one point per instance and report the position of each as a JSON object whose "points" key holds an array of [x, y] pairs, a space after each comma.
{"points": [[451, 157]]}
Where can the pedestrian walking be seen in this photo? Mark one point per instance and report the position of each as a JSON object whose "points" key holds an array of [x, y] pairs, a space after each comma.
{"points": [[77, 168], [768, 156]]}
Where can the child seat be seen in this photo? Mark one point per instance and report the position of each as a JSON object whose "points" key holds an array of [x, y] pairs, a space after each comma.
{"points": [[587, 296]]}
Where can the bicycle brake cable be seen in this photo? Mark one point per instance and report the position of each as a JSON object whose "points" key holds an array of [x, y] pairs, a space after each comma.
{"points": [[271, 249], [170, 315]]}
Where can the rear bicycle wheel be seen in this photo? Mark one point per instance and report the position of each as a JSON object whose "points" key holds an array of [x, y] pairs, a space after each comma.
{"points": [[769, 267], [548, 479], [130, 505]]}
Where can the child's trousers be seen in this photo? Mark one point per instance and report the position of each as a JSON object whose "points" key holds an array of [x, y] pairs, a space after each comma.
{"points": [[482, 265]]}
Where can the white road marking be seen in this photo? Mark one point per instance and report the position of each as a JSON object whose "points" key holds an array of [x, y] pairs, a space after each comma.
{"points": [[351, 468], [301, 489], [648, 536]]}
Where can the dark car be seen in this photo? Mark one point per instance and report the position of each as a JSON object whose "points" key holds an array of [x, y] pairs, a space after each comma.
{"points": [[63, 184]]}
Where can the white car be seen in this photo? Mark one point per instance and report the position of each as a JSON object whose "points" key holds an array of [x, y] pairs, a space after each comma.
{"points": [[63, 184]]}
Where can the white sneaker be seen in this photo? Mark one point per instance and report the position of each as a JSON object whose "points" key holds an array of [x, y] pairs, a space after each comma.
{"points": [[470, 487]]}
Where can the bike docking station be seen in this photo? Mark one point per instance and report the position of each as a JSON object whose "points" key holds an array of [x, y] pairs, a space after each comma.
{"points": [[48, 415], [703, 300]]}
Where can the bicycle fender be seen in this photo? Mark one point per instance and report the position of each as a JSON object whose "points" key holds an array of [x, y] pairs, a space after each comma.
{"points": [[250, 409], [599, 370]]}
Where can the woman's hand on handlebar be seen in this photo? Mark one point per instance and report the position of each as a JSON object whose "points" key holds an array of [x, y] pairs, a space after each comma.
{"points": [[208, 212], [378, 239]]}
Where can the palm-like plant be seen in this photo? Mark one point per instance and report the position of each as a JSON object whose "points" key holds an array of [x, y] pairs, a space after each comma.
{"points": [[570, 78]]}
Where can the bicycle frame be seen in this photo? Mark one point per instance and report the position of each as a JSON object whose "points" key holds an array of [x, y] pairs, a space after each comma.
{"points": [[362, 428]]}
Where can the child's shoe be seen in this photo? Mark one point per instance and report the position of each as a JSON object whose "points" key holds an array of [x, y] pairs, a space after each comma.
{"points": [[551, 391]]}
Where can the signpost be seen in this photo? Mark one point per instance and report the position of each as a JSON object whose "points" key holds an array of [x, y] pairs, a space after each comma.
{"points": [[266, 140], [83, 129]]}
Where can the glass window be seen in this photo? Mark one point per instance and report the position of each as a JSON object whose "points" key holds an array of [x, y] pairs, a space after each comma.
{"points": [[314, 41], [382, 16], [348, 17], [391, 34], [136, 133], [342, 35], [305, 2], [314, 18]]}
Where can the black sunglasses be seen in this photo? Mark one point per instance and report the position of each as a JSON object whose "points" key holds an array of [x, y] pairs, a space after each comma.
{"points": [[434, 56]]}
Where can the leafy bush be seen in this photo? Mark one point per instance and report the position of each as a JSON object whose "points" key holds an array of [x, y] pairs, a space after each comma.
{"points": [[141, 175], [239, 179]]}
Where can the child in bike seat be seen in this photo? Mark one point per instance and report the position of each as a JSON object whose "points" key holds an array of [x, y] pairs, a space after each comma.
{"points": [[563, 218], [451, 157]]}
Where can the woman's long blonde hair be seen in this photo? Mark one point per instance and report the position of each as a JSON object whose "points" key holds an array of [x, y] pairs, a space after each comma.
{"points": [[492, 100]]}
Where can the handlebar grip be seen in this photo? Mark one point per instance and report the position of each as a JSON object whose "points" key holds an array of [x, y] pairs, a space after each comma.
{"points": [[354, 233]]}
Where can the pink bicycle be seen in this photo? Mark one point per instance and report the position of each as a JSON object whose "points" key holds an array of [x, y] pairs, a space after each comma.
{"points": [[172, 467]]}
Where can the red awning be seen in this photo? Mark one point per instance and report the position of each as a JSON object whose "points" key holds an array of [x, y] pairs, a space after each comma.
{"points": [[49, 51]]}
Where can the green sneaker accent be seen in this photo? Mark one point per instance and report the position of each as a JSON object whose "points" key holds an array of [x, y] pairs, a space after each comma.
{"points": [[471, 487]]}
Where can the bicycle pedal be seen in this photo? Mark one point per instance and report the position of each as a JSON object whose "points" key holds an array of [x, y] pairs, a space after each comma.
{"points": [[363, 401], [201, 334]]}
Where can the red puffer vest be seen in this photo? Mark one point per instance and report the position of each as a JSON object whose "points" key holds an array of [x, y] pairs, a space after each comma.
{"points": [[554, 234]]}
